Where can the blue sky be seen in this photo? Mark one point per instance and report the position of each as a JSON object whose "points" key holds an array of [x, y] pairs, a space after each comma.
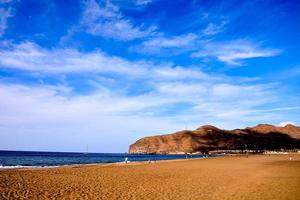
{"points": [[106, 73]]}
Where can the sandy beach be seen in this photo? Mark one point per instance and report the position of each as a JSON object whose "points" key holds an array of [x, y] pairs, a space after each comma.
{"points": [[237, 177]]}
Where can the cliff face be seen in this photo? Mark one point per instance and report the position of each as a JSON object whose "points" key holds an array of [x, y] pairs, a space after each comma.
{"points": [[208, 138]]}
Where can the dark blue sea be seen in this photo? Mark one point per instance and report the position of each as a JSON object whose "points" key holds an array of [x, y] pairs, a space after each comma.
{"points": [[16, 159]]}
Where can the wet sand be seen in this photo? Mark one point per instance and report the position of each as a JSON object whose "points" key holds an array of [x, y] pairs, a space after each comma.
{"points": [[237, 177]]}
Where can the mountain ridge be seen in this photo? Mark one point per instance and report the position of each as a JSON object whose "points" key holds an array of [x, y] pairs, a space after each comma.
{"points": [[208, 137]]}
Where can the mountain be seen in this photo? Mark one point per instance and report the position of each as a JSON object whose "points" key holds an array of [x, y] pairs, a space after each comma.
{"points": [[207, 138]]}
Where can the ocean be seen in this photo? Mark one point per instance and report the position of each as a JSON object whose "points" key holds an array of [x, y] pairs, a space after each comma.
{"points": [[19, 159]]}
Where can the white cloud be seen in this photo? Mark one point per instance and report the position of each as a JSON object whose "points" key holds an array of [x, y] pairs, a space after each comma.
{"points": [[41, 118], [51, 109], [4, 15], [179, 88], [37, 112], [168, 45], [234, 52], [177, 41], [31, 106], [178, 73], [229, 91], [30, 57], [105, 20]]}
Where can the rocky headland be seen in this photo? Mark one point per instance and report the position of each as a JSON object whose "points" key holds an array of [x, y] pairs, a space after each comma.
{"points": [[208, 138]]}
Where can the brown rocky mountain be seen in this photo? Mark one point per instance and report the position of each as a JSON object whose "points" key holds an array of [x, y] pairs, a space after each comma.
{"points": [[207, 138]]}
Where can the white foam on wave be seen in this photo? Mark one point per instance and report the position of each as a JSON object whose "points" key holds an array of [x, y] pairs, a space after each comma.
{"points": [[11, 167], [22, 166]]}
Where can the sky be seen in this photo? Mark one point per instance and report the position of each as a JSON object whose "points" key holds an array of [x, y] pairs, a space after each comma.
{"points": [[106, 73]]}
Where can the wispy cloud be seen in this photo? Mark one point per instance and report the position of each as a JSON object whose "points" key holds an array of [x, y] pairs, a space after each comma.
{"points": [[164, 83], [142, 2], [29, 56], [4, 15], [178, 44], [39, 110], [173, 42], [205, 97], [5, 1], [234, 52], [105, 20], [46, 114], [213, 28], [170, 45], [50, 92], [281, 109], [180, 73], [292, 72], [180, 88]]}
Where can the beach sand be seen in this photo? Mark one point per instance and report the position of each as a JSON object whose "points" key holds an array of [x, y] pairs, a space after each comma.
{"points": [[231, 177]]}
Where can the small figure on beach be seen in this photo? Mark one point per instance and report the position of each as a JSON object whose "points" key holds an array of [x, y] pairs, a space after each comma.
{"points": [[126, 160], [290, 158]]}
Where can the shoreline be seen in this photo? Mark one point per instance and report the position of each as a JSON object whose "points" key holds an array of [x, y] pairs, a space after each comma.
{"points": [[19, 167]]}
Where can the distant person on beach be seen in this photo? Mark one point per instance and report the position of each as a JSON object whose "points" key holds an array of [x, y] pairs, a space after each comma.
{"points": [[126, 160]]}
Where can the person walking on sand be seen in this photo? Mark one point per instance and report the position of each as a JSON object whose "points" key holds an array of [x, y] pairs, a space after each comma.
{"points": [[126, 160]]}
